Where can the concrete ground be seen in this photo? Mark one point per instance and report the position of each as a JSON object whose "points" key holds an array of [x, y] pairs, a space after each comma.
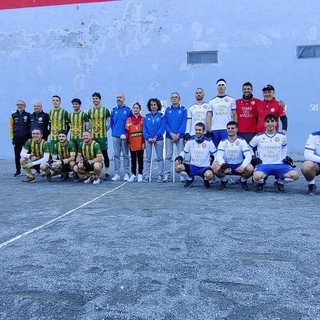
{"points": [[157, 251]]}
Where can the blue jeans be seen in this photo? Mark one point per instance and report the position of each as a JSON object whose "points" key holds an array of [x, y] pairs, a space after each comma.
{"points": [[158, 150], [118, 146]]}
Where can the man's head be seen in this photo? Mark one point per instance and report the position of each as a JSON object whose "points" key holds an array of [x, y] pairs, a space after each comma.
{"points": [[199, 129], [175, 99], [268, 92], [87, 137], [96, 99], [247, 90], [76, 104], [62, 136], [56, 101], [199, 94], [36, 135], [21, 105], [232, 128], [221, 87], [154, 105], [37, 107], [270, 122], [120, 99]]}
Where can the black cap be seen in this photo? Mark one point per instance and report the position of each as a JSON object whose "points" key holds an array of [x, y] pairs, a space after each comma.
{"points": [[268, 87]]}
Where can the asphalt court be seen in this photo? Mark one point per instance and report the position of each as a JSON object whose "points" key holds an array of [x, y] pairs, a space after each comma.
{"points": [[157, 251]]}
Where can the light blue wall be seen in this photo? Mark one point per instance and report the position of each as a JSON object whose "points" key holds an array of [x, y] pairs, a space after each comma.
{"points": [[139, 47]]}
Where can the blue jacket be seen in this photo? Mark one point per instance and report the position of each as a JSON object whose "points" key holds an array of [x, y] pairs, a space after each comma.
{"points": [[176, 121], [154, 126], [118, 120]]}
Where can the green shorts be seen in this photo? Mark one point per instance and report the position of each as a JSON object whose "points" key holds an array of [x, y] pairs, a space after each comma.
{"points": [[102, 142]]}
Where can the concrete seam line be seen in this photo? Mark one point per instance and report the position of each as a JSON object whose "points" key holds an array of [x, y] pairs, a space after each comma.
{"points": [[26, 233]]}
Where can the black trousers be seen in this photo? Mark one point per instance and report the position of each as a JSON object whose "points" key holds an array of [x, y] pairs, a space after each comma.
{"points": [[136, 155], [18, 143], [106, 158]]}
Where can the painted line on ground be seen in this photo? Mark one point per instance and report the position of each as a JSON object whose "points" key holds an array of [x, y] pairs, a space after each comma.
{"points": [[26, 233]]}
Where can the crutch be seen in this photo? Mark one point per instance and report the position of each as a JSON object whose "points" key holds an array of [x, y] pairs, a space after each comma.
{"points": [[152, 152], [174, 152]]}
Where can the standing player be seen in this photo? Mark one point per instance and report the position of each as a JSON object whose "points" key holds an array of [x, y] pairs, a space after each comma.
{"points": [[34, 154], [134, 126], [153, 130], [310, 168], [222, 110], [175, 119], [79, 121], [271, 106], [197, 113], [247, 113], [19, 132], [63, 157], [119, 116], [99, 117], [272, 150], [201, 150], [89, 160], [233, 158], [58, 120]]}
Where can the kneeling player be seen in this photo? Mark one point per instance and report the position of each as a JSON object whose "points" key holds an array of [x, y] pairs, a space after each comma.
{"points": [[310, 168], [272, 150], [233, 158], [63, 157], [89, 160], [201, 150]]}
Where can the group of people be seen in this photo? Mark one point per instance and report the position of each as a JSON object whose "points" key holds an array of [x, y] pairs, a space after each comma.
{"points": [[213, 140]]}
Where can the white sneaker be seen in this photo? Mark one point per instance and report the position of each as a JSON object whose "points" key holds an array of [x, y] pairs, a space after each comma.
{"points": [[182, 179], [166, 177], [89, 179], [160, 179], [132, 178], [116, 177], [96, 181], [140, 179], [126, 177], [146, 179]]}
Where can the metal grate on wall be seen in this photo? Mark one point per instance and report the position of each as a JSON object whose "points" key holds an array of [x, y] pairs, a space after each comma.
{"points": [[307, 52], [197, 57]]}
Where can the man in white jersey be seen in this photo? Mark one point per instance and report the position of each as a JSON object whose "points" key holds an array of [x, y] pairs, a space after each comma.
{"points": [[196, 113], [310, 168], [272, 150], [222, 110], [233, 158], [201, 150]]}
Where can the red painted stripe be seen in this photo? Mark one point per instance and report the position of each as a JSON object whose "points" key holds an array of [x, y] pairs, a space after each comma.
{"points": [[14, 4]]}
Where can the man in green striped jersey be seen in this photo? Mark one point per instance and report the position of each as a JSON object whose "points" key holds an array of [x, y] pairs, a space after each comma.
{"points": [[34, 154], [78, 121], [63, 157], [58, 120], [99, 117], [89, 159]]}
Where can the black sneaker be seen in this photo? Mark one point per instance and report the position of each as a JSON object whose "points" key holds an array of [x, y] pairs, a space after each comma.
{"points": [[17, 174], [64, 177], [260, 187], [206, 184], [76, 178], [279, 187], [244, 185], [312, 189], [49, 177], [223, 185], [189, 183], [106, 177]]}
